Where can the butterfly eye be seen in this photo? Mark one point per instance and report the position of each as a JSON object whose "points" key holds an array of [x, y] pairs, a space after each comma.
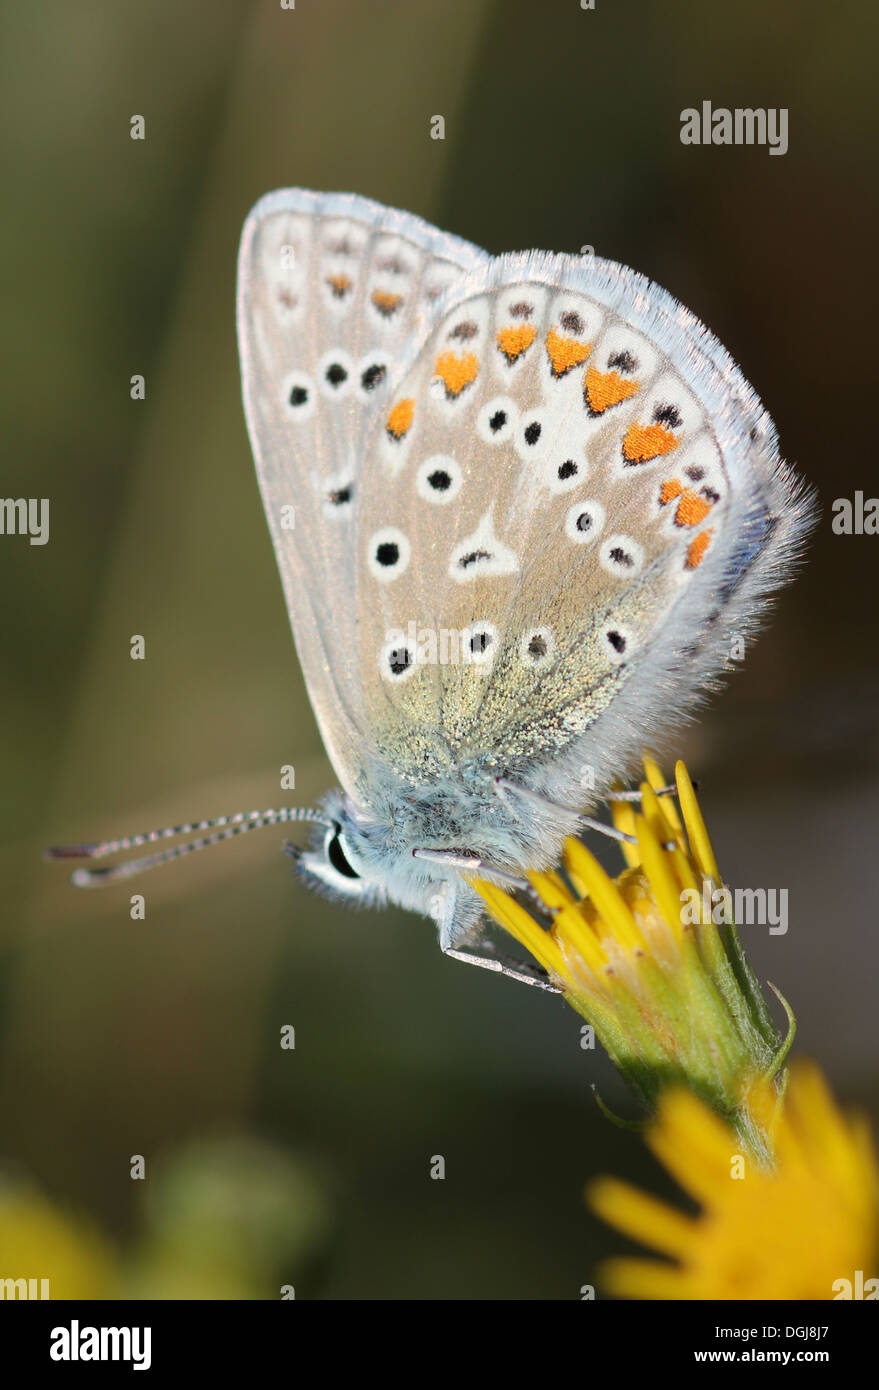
{"points": [[335, 850], [537, 647], [584, 522], [389, 552], [439, 480], [621, 556]]}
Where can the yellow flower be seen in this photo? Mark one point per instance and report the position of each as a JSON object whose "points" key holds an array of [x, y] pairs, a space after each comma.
{"points": [[805, 1225], [666, 987], [39, 1241]]}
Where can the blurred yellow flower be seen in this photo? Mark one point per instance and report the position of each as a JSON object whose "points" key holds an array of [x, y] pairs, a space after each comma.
{"points": [[41, 1241], [805, 1225]]}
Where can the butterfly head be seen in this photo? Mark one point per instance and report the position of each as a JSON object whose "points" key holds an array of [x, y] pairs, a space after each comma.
{"points": [[422, 851], [337, 864]]}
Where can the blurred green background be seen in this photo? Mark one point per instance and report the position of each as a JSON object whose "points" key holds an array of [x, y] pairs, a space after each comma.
{"points": [[161, 1037]]}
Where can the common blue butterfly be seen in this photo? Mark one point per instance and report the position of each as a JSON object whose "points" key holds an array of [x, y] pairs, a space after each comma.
{"points": [[522, 507]]}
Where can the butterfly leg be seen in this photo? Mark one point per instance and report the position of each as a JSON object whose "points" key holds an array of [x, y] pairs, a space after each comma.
{"points": [[502, 965]]}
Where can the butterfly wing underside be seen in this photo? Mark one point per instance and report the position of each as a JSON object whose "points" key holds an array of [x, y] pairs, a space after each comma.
{"points": [[572, 506], [331, 291]]}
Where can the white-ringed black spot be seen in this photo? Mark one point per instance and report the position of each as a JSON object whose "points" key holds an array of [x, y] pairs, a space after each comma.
{"points": [[439, 479], [537, 646], [478, 643], [399, 660], [584, 521], [618, 640], [531, 437], [373, 375], [668, 415], [497, 420], [334, 371], [623, 361], [388, 554], [472, 557], [482, 554], [300, 396], [621, 555]]}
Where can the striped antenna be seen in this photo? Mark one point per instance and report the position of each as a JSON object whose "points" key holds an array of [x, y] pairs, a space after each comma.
{"points": [[223, 828]]}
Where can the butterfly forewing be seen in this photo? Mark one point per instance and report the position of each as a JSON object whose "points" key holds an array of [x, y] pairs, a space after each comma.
{"points": [[332, 291]]}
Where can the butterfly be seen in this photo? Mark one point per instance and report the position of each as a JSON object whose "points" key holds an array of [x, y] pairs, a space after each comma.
{"points": [[523, 506]]}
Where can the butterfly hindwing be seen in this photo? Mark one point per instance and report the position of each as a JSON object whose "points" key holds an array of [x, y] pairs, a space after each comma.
{"points": [[571, 506]]}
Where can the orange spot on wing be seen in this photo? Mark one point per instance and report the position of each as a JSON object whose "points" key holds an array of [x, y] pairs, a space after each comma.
{"points": [[400, 419], [386, 302], [670, 489], [691, 509], [604, 389], [565, 353], [697, 547], [456, 370], [645, 442], [514, 341], [339, 284]]}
